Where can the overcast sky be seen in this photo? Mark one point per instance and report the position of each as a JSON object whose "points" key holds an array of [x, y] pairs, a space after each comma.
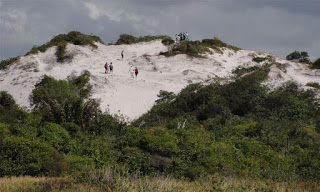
{"points": [[273, 26]]}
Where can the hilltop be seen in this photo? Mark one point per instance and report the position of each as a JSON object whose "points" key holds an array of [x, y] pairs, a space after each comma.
{"points": [[119, 93]]}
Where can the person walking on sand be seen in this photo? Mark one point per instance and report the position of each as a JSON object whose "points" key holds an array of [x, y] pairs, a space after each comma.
{"points": [[122, 55], [131, 72], [136, 71], [111, 67], [106, 67]]}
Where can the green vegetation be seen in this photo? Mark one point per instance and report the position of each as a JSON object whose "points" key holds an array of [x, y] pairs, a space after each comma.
{"points": [[129, 39], [241, 70], [61, 51], [5, 63], [259, 59], [206, 134], [314, 85], [196, 48], [216, 44], [316, 64], [297, 56], [73, 37], [108, 180], [167, 41]]}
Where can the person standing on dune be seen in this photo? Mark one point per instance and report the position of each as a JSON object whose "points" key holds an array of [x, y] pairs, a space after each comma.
{"points": [[136, 71], [122, 55], [106, 67], [111, 67], [131, 71]]}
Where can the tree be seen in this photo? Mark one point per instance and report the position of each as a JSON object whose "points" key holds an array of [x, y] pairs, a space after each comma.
{"points": [[297, 56], [316, 64]]}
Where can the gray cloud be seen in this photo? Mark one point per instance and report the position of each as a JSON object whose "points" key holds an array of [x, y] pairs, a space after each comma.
{"points": [[274, 26]]}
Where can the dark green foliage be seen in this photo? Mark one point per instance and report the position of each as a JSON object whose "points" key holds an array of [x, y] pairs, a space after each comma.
{"points": [[20, 156], [241, 71], [61, 51], [73, 37], [55, 135], [7, 101], [239, 129], [129, 39], [259, 59], [316, 64], [10, 112], [196, 48], [5, 63], [191, 48], [297, 56], [217, 43], [164, 96], [314, 85], [167, 41], [99, 148], [66, 101]]}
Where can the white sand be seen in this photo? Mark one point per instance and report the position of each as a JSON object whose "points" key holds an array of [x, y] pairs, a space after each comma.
{"points": [[131, 97]]}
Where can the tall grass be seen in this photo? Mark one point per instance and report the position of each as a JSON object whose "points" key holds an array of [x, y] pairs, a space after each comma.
{"points": [[119, 180]]}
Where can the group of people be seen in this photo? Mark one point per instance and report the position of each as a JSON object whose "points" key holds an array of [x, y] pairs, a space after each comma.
{"points": [[182, 37], [135, 71], [109, 67]]}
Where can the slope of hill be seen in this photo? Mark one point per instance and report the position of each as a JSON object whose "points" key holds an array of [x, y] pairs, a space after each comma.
{"points": [[131, 97]]}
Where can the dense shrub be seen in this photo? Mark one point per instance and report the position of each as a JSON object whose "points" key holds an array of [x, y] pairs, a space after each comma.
{"points": [[316, 64], [20, 156], [259, 59], [197, 48], [167, 41], [55, 135], [10, 112], [73, 37], [61, 51], [297, 56], [5, 63], [241, 70], [129, 39], [314, 85]]}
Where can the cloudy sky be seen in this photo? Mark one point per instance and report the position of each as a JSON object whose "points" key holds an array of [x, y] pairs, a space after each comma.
{"points": [[274, 26]]}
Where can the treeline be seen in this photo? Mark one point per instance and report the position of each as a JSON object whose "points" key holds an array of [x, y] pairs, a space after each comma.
{"points": [[238, 129]]}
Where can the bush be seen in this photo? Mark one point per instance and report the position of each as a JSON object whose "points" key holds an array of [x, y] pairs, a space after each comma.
{"points": [[6, 63], [7, 101], [159, 140], [241, 71], [126, 39], [73, 37], [61, 51], [129, 39], [55, 135], [297, 56], [316, 64], [196, 48], [164, 96], [259, 59], [314, 85], [135, 159], [167, 41], [20, 156], [10, 112]]}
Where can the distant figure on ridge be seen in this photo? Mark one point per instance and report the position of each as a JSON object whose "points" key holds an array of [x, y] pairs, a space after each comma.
{"points": [[131, 72], [111, 67], [106, 67], [122, 55], [136, 71]]}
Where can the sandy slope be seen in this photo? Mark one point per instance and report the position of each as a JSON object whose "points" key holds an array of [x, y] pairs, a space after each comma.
{"points": [[121, 94]]}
